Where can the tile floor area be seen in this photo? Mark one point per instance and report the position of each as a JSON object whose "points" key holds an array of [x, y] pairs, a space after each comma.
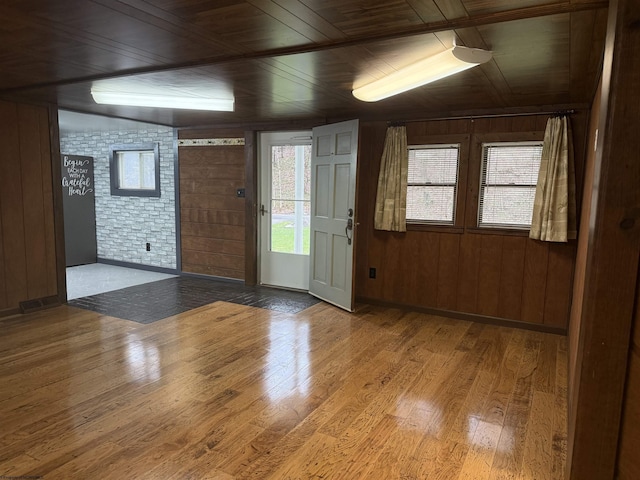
{"points": [[94, 278], [155, 300]]}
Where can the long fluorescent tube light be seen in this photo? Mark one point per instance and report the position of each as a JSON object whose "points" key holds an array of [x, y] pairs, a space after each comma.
{"points": [[139, 99], [449, 62]]}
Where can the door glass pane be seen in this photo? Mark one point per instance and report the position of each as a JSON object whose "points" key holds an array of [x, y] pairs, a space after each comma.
{"points": [[290, 205]]}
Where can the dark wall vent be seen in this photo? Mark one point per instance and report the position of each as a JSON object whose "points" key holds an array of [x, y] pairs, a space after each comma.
{"points": [[36, 304]]}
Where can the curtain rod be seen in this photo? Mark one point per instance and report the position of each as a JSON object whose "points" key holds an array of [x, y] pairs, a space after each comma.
{"points": [[556, 113]]}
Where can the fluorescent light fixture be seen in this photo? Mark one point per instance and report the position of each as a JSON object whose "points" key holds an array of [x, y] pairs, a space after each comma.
{"points": [[160, 100], [449, 62]]}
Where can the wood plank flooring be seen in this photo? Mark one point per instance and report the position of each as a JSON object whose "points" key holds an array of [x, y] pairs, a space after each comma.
{"points": [[229, 391]]}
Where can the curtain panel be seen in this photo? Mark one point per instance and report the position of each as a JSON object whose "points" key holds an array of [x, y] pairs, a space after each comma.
{"points": [[554, 208], [391, 197]]}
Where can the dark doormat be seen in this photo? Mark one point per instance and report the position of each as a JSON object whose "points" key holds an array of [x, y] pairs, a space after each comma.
{"points": [[154, 301]]}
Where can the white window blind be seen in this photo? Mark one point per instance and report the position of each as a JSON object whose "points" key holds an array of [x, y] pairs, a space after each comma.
{"points": [[508, 184], [432, 183]]}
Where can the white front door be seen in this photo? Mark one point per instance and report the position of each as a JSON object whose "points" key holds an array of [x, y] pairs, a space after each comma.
{"points": [[285, 159], [333, 193]]}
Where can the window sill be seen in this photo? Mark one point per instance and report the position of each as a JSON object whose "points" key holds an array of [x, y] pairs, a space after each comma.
{"points": [[498, 231], [123, 192], [428, 227]]}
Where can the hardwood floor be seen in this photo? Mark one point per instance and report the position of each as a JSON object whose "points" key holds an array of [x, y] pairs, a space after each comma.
{"points": [[228, 391]]}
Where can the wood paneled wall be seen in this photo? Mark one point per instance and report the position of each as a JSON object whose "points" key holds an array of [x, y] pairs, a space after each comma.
{"points": [[575, 323], [602, 442], [628, 461], [27, 233], [463, 269], [212, 217]]}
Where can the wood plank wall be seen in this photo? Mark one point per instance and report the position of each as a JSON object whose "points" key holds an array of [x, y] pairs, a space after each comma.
{"points": [[603, 438], [628, 462], [464, 269], [27, 249], [575, 323], [212, 217]]}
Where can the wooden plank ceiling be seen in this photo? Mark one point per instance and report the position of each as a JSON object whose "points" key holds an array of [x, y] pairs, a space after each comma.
{"points": [[298, 60]]}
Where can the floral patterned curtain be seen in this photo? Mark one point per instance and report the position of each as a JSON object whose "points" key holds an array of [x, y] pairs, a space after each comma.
{"points": [[391, 198], [554, 209]]}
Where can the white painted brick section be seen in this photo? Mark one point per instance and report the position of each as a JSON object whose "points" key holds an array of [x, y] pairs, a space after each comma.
{"points": [[124, 225]]}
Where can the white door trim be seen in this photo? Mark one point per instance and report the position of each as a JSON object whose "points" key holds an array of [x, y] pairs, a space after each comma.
{"points": [[275, 268]]}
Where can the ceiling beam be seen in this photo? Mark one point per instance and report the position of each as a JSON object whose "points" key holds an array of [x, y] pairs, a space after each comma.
{"points": [[458, 23]]}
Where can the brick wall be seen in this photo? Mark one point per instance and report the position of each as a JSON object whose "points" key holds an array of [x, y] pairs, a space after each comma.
{"points": [[124, 225]]}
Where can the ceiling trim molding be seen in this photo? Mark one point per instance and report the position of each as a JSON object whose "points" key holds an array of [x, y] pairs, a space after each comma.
{"points": [[210, 142]]}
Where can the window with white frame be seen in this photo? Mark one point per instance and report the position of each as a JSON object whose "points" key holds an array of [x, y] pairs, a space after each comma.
{"points": [[508, 184], [135, 170], [432, 183]]}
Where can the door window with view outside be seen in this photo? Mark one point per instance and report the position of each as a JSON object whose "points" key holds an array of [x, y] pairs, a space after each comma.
{"points": [[290, 198]]}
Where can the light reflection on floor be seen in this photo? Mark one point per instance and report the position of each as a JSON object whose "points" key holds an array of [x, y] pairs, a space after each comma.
{"points": [[288, 360], [486, 435], [421, 415], [143, 359]]}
